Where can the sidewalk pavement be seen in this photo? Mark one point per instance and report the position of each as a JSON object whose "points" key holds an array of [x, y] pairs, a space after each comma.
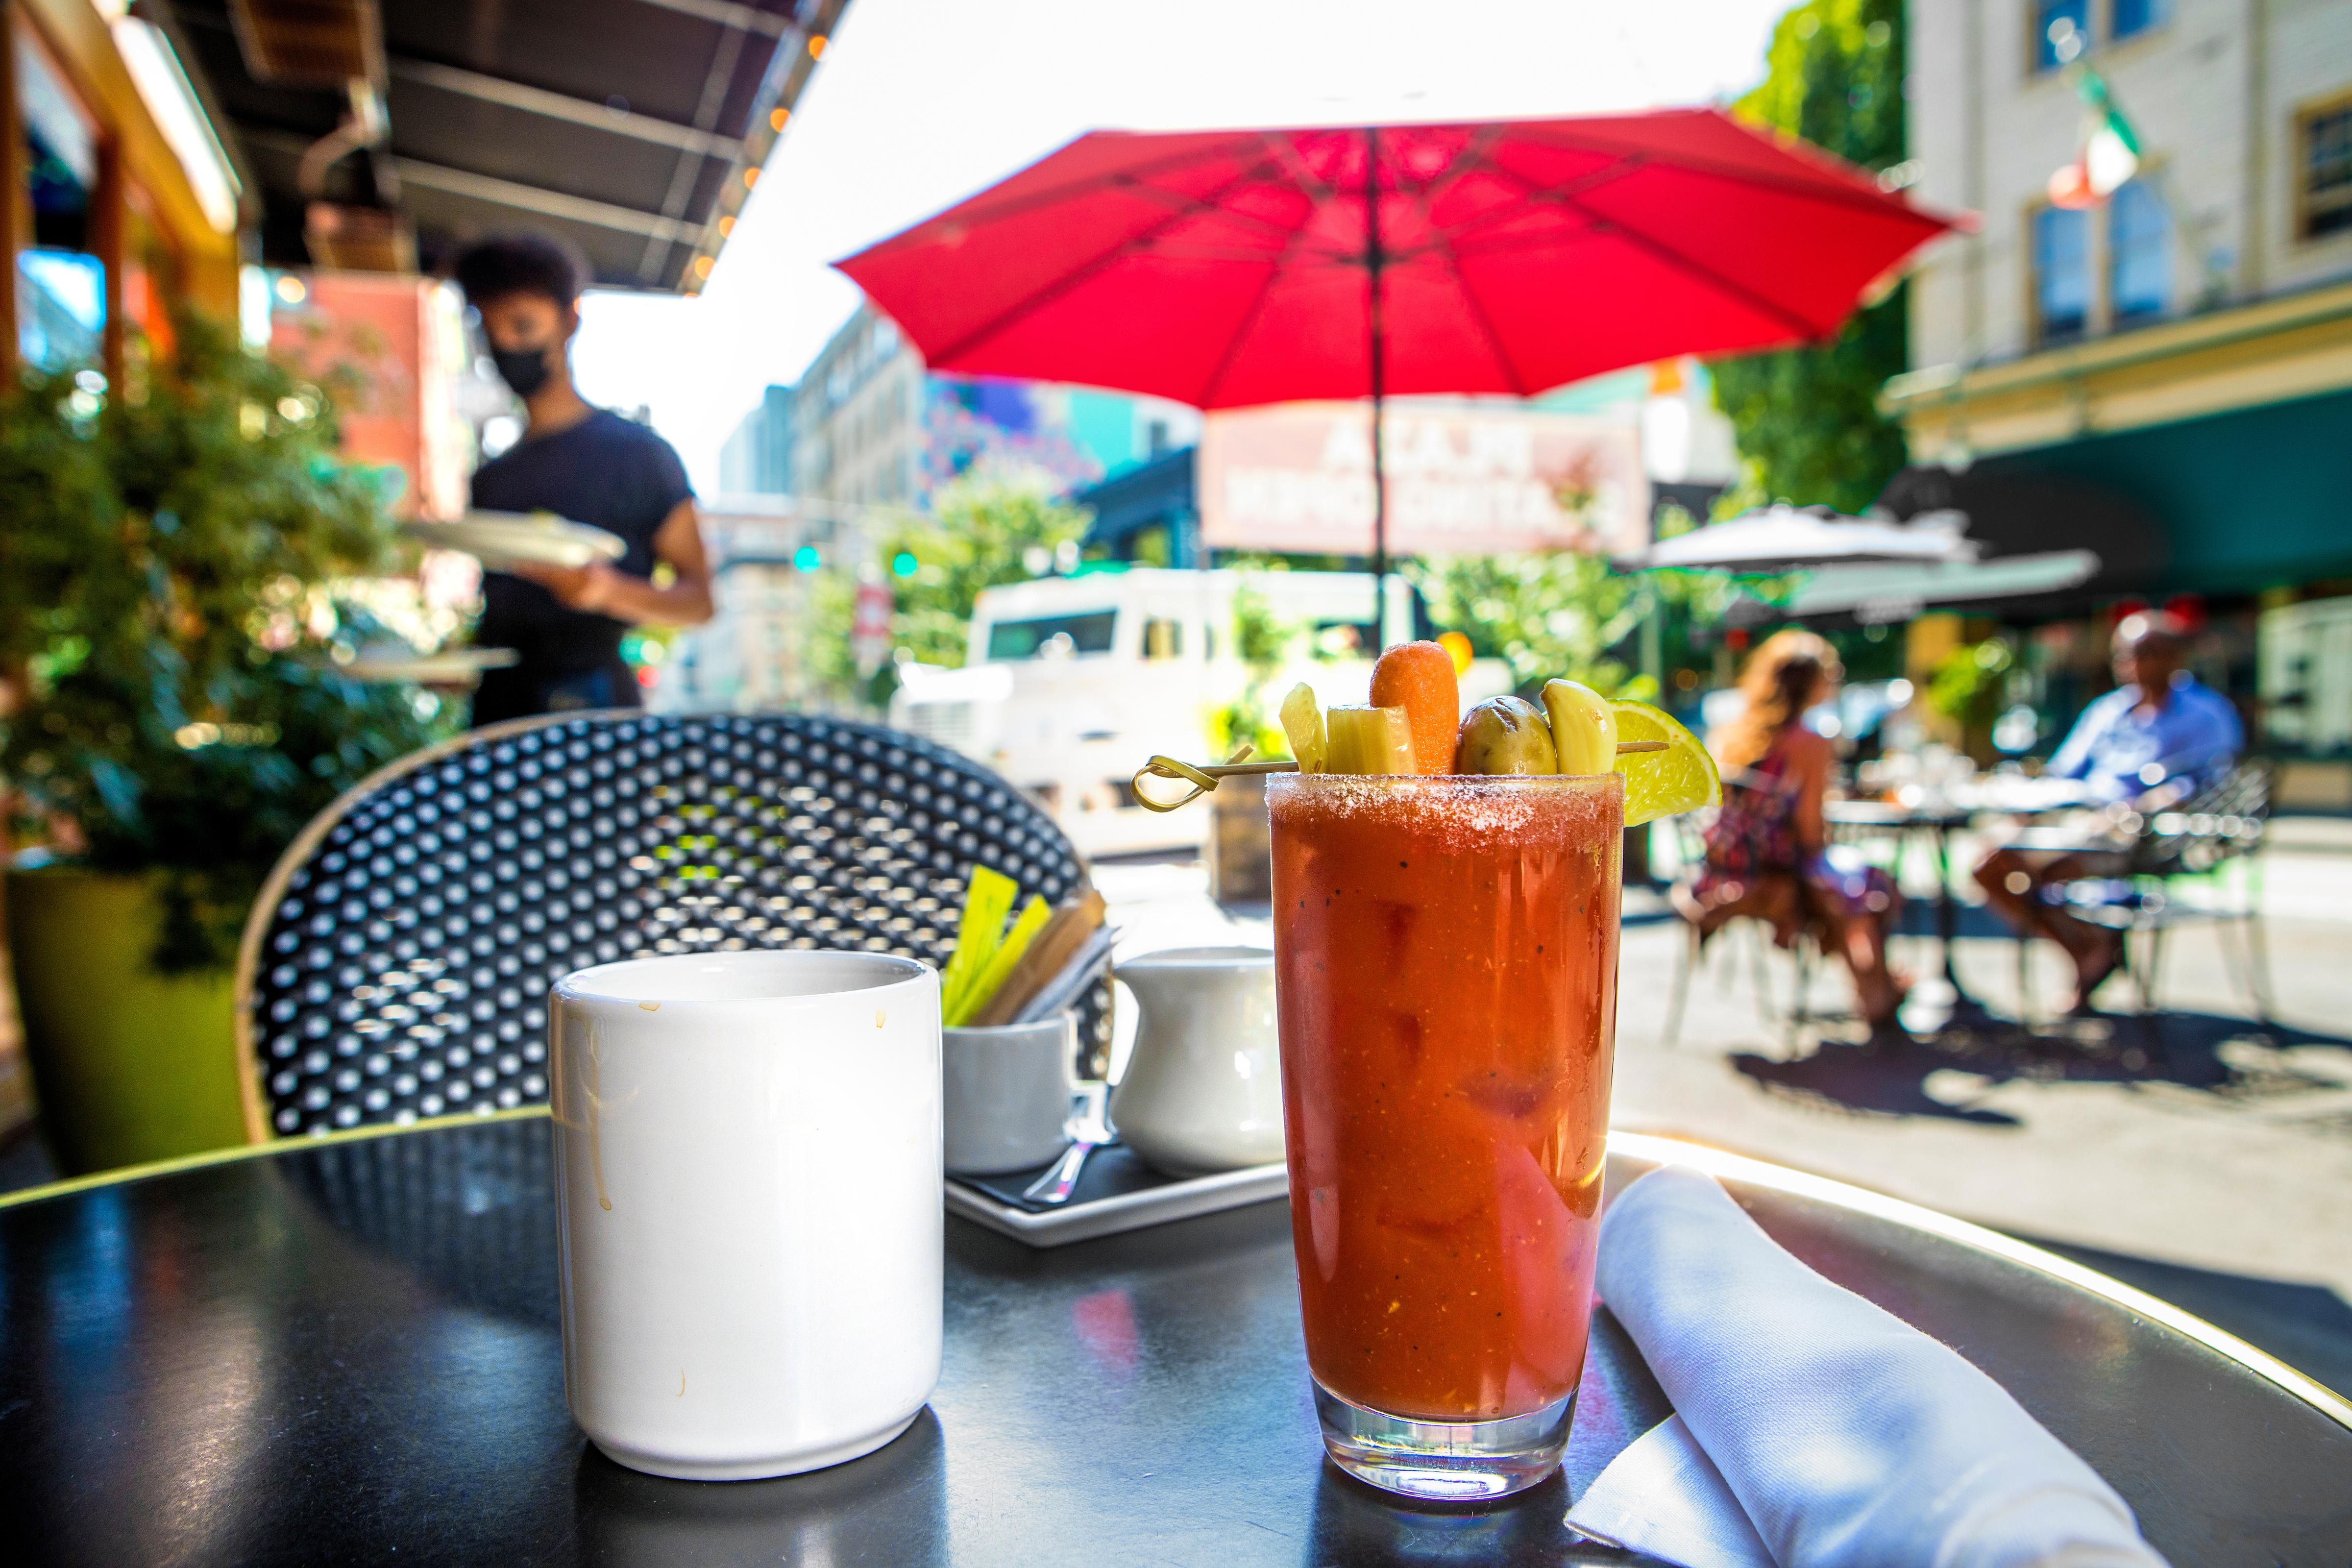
{"points": [[2199, 1154]]}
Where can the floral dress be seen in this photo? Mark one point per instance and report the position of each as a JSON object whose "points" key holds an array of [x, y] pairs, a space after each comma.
{"points": [[1752, 850]]}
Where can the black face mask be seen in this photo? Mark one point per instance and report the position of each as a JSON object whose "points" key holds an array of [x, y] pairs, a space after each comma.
{"points": [[525, 370]]}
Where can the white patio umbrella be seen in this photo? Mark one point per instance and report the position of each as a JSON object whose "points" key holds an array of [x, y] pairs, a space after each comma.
{"points": [[1778, 540]]}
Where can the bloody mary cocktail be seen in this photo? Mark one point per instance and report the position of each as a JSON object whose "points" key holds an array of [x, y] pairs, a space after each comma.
{"points": [[1446, 959]]}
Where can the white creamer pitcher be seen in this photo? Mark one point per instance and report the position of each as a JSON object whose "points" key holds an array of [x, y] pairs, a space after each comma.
{"points": [[1203, 1089]]}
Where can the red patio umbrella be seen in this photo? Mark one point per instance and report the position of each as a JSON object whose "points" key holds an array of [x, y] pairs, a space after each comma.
{"points": [[1224, 269]]}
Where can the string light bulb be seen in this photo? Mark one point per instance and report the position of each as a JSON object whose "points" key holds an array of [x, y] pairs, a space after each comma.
{"points": [[702, 267], [751, 176], [816, 46], [778, 117]]}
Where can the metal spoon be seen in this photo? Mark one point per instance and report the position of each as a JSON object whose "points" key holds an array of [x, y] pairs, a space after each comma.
{"points": [[1090, 1131]]}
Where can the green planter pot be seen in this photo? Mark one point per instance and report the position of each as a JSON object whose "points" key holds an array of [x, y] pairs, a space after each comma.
{"points": [[130, 1066]]}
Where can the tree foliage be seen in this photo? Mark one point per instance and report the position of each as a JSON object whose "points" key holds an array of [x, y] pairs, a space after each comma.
{"points": [[1807, 418], [1560, 615], [169, 628], [1263, 641], [980, 532]]}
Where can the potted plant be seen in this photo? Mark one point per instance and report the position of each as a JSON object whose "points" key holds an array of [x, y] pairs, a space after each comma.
{"points": [[171, 714]]}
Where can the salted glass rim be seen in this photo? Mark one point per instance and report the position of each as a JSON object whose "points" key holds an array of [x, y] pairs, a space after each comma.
{"points": [[1294, 781]]}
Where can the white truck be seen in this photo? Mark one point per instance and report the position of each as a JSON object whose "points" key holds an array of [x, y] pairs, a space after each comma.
{"points": [[1070, 683]]}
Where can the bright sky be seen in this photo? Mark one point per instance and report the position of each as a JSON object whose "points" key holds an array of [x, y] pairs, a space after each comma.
{"points": [[921, 102]]}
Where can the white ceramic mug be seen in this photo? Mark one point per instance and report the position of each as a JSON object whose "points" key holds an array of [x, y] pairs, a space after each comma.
{"points": [[1203, 1089], [747, 1197], [1007, 1094]]}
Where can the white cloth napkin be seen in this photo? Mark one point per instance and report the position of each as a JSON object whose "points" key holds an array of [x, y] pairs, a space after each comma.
{"points": [[1812, 1429]]}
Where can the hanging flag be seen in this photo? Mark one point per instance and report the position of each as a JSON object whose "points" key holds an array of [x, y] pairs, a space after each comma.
{"points": [[2107, 151]]}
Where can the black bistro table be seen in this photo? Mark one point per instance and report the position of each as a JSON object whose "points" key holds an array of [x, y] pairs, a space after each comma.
{"points": [[346, 1351], [1866, 818]]}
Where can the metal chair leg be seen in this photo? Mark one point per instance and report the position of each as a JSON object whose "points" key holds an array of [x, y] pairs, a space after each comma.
{"points": [[2145, 977], [2258, 966], [1686, 967], [1798, 998], [2024, 980], [1760, 965]]}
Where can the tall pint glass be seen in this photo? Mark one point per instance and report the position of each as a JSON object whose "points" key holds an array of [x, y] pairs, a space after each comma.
{"points": [[1445, 952]]}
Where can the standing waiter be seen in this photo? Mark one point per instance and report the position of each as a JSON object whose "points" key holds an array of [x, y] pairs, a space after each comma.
{"points": [[579, 462]]}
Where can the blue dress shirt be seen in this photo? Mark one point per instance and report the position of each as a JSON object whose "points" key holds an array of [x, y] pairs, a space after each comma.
{"points": [[2119, 751]]}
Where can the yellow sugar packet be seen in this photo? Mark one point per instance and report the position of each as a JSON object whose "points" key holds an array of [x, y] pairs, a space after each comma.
{"points": [[987, 900], [1008, 953]]}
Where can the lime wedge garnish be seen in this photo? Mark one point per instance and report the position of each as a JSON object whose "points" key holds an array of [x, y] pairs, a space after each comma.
{"points": [[1660, 784]]}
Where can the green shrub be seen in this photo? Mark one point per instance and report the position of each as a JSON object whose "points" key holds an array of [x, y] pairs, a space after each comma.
{"points": [[170, 700]]}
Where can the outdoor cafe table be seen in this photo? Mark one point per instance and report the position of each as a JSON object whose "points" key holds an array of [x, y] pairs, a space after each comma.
{"points": [[1855, 818], [346, 1351]]}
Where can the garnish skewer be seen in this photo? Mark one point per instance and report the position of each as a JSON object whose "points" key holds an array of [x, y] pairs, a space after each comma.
{"points": [[1204, 776]]}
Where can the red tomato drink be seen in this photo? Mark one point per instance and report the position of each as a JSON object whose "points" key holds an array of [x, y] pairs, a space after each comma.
{"points": [[1445, 952]]}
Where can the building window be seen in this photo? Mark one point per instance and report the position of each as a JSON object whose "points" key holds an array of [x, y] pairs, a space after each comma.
{"points": [[2326, 176], [2062, 273], [1162, 638], [2133, 16], [60, 285], [2054, 20], [2139, 253]]}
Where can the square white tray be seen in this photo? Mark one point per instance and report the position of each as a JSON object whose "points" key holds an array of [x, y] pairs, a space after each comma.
{"points": [[1132, 1197]]}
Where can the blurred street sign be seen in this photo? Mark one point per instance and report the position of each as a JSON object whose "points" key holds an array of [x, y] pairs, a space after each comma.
{"points": [[1298, 477], [869, 627]]}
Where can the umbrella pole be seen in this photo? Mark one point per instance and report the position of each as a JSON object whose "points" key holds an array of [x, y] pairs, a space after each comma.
{"points": [[1375, 262]]}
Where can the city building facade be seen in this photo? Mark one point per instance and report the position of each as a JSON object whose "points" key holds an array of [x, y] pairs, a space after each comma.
{"points": [[2155, 303], [874, 429], [125, 203], [757, 458], [755, 652]]}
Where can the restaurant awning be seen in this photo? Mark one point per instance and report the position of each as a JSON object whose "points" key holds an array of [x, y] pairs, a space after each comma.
{"points": [[1157, 493], [2013, 513], [1881, 594], [382, 135], [2231, 503], [2048, 545]]}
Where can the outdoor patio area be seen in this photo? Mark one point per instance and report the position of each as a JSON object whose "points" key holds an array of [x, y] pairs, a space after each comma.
{"points": [[2220, 1180], [1252, 785]]}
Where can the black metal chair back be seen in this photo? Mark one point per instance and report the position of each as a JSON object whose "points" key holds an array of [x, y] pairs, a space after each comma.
{"points": [[2220, 822], [397, 964], [2223, 821]]}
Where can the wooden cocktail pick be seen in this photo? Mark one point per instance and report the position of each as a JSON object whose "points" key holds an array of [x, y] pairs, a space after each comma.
{"points": [[1203, 777]]}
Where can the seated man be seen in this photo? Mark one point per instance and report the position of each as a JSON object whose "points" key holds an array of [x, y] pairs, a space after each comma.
{"points": [[2157, 737]]}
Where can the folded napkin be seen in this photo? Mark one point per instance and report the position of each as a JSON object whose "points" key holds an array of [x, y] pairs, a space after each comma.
{"points": [[1812, 1429]]}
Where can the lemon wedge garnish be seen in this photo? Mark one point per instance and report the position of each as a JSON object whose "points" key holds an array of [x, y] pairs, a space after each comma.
{"points": [[1659, 784]]}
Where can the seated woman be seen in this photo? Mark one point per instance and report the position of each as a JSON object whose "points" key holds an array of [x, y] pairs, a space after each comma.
{"points": [[1767, 853]]}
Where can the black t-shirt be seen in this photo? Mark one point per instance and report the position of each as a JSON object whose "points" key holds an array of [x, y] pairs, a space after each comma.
{"points": [[605, 472]]}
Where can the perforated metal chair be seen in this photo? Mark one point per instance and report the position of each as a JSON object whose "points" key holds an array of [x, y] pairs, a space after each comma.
{"points": [[2210, 844], [397, 963], [1806, 958]]}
